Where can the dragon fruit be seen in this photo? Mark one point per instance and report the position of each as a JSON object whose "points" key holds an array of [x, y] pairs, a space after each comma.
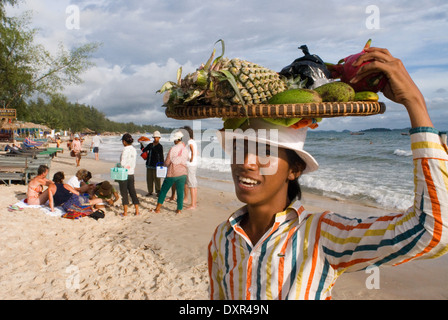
{"points": [[345, 71]]}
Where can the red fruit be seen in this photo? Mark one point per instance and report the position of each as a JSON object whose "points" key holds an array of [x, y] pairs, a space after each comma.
{"points": [[346, 72]]}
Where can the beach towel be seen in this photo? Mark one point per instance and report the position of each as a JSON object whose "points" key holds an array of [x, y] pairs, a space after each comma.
{"points": [[75, 212], [58, 211], [77, 207]]}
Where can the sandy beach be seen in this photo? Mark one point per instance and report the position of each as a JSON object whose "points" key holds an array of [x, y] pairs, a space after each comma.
{"points": [[154, 256]]}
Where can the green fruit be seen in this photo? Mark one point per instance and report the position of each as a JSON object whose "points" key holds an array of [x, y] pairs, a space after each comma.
{"points": [[366, 96], [234, 123], [294, 96], [336, 92], [284, 122]]}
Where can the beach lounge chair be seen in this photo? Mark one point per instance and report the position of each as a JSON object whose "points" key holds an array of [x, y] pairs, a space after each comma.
{"points": [[12, 150], [7, 177], [13, 169], [32, 144]]}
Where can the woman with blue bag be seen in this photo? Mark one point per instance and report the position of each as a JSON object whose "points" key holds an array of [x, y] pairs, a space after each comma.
{"points": [[128, 161]]}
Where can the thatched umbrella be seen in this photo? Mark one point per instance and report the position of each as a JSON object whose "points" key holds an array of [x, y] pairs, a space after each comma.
{"points": [[30, 125], [23, 126], [5, 125]]}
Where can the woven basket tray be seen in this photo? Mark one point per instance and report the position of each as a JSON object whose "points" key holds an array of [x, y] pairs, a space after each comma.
{"points": [[303, 110]]}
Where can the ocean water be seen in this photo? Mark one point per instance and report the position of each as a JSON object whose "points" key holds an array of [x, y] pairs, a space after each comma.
{"points": [[374, 169]]}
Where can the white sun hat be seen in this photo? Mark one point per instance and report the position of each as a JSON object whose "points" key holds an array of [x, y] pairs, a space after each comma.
{"points": [[176, 136], [283, 137], [156, 134]]}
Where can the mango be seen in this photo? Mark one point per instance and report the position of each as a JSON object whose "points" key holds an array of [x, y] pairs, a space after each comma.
{"points": [[293, 96], [284, 122], [366, 96], [336, 92], [234, 123]]}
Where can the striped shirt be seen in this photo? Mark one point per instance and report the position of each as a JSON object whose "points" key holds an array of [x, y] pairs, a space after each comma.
{"points": [[304, 253]]}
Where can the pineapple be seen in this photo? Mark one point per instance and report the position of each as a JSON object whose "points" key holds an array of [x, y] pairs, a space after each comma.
{"points": [[255, 84], [224, 82]]}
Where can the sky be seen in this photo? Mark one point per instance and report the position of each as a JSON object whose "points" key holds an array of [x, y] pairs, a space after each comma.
{"points": [[144, 42]]}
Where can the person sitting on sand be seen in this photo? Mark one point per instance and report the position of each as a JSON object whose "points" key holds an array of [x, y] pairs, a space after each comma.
{"points": [[66, 196], [79, 181], [274, 249], [36, 194], [107, 193], [86, 184]]}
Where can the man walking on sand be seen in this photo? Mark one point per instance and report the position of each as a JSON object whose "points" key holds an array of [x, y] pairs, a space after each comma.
{"points": [[96, 141]]}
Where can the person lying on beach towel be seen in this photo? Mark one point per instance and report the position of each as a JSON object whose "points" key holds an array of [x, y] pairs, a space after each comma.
{"points": [[274, 249]]}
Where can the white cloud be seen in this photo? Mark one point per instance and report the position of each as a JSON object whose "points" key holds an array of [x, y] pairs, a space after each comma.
{"points": [[431, 80], [127, 95]]}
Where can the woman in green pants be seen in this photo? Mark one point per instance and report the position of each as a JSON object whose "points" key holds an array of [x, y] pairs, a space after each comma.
{"points": [[176, 162]]}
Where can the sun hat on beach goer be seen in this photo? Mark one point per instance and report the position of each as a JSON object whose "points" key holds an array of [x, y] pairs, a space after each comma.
{"points": [[177, 136], [156, 134], [287, 138], [105, 189]]}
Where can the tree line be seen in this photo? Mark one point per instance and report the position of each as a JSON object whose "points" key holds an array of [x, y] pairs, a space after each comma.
{"points": [[60, 114]]}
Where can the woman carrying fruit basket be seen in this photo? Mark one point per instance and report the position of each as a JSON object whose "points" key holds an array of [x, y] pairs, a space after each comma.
{"points": [[274, 249]]}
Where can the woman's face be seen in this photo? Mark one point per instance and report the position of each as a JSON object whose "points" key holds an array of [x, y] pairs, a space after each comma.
{"points": [[252, 185]]}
